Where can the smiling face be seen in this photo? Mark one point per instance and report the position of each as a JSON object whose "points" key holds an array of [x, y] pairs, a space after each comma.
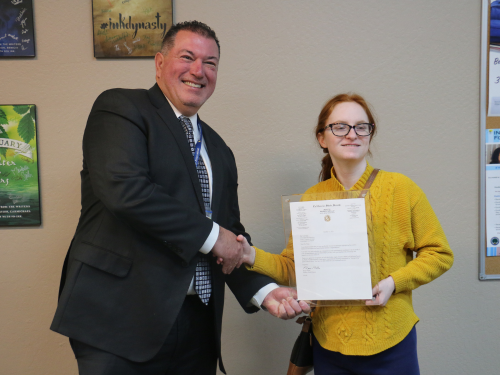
{"points": [[188, 73], [350, 148]]}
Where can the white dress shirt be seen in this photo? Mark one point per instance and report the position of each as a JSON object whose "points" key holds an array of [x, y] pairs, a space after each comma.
{"points": [[258, 298]]}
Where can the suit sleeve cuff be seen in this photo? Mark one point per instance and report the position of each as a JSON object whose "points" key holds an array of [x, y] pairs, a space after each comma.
{"points": [[258, 298], [211, 239]]}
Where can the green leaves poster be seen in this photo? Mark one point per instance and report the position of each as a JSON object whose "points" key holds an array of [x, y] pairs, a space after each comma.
{"points": [[19, 188]]}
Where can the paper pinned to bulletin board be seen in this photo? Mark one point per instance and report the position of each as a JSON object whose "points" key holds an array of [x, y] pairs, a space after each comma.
{"points": [[494, 82], [492, 192]]}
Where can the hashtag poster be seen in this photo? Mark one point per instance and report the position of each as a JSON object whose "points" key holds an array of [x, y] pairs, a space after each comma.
{"points": [[17, 36], [130, 28]]}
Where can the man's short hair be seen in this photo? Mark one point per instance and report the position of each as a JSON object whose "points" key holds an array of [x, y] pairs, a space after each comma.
{"points": [[194, 26]]}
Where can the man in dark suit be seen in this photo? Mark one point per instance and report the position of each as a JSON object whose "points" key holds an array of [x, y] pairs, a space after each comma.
{"points": [[142, 291]]}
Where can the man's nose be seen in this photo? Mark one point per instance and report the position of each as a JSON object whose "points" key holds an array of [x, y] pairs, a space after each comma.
{"points": [[197, 68]]}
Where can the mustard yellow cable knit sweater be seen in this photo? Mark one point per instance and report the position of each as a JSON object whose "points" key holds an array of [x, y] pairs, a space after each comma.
{"points": [[403, 223]]}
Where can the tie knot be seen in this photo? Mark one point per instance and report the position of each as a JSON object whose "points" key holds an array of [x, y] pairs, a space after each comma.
{"points": [[187, 124]]}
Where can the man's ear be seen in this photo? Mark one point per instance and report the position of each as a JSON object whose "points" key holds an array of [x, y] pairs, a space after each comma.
{"points": [[159, 61]]}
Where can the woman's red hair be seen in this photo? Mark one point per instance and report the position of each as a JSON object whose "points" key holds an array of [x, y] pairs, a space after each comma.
{"points": [[326, 162]]}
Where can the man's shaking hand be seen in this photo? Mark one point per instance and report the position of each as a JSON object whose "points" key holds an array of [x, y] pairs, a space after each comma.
{"points": [[282, 303], [228, 250]]}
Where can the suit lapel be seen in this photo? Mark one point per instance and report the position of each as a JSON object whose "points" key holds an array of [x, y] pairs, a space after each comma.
{"points": [[216, 163], [173, 124]]}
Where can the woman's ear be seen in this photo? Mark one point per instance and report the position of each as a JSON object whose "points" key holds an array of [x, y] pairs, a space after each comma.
{"points": [[321, 140]]}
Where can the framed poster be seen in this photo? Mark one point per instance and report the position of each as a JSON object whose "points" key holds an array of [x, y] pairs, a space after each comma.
{"points": [[17, 35], [130, 28], [19, 188]]}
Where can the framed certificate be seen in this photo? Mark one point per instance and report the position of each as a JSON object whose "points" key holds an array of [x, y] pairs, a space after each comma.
{"points": [[330, 238]]}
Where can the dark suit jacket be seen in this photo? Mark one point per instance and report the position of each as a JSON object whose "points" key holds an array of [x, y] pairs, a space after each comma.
{"points": [[141, 227]]}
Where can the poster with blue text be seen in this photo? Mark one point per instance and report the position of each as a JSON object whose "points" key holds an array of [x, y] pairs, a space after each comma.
{"points": [[17, 34], [19, 188], [130, 28]]}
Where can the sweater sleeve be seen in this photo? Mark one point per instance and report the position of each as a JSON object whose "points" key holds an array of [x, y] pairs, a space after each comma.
{"points": [[280, 267], [434, 256]]}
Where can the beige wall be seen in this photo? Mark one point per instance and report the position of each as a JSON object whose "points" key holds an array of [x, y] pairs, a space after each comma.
{"points": [[418, 64]]}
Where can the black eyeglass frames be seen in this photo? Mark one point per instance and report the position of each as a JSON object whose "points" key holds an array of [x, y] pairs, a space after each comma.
{"points": [[340, 129]]}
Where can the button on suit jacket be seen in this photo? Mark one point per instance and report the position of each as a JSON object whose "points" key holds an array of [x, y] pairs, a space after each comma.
{"points": [[142, 224]]}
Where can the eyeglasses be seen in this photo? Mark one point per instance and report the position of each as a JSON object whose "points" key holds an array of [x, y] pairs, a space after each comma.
{"points": [[341, 130]]}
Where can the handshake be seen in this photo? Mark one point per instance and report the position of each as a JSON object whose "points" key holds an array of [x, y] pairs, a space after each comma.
{"points": [[231, 252]]}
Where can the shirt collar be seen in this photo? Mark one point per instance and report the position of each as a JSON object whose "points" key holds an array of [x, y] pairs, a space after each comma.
{"points": [[193, 118]]}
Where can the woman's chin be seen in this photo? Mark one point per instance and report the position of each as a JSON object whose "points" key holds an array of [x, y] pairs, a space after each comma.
{"points": [[350, 158]]}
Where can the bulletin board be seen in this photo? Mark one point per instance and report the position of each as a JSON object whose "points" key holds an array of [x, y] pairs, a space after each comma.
{"points": [[489, 250]]}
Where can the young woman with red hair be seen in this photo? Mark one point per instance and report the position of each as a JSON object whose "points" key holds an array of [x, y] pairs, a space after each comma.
{"points": [[380, 337]]}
